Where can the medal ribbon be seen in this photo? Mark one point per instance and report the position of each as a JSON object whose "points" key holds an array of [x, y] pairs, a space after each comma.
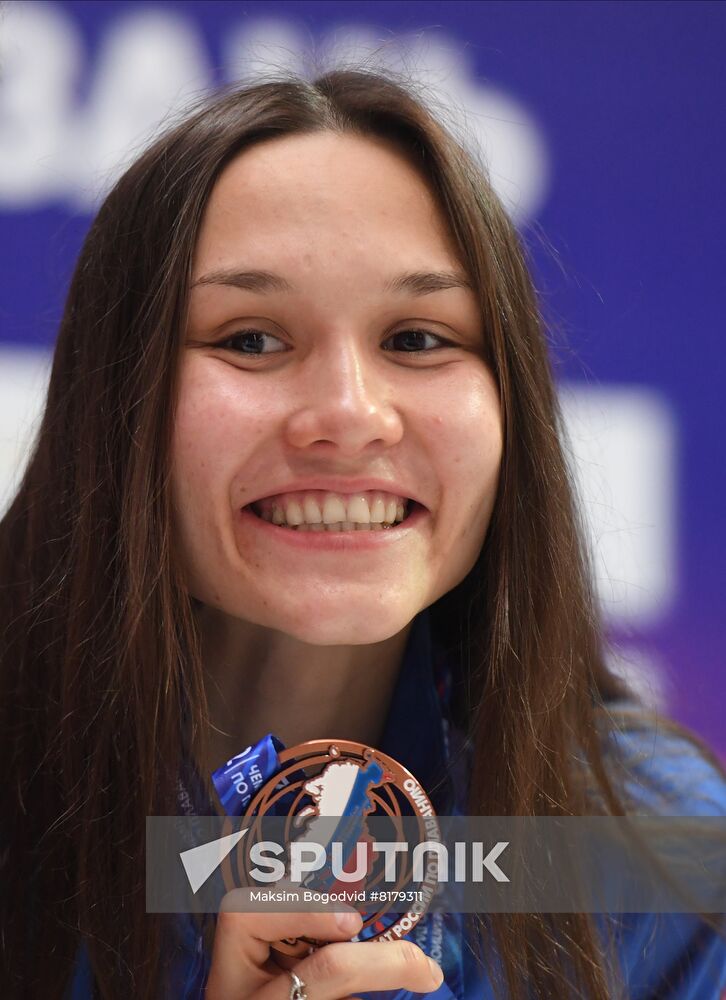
{"points": [[243, 775]]}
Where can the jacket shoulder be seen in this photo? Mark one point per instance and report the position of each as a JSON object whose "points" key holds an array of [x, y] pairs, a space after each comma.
{"points": [[659, 767]]}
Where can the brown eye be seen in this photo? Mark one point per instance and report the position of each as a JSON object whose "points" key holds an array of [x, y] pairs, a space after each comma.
{"points": [[252, 342], [412, 341]]}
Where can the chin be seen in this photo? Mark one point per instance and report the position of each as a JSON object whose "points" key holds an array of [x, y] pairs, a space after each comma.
{"points": [[326, 627]]}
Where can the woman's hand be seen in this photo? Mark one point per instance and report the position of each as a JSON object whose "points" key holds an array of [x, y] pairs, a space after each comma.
{"points": [[243, 969]]}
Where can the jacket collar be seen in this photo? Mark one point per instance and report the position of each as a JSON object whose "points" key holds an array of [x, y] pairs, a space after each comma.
{"points": [[414, 731]]}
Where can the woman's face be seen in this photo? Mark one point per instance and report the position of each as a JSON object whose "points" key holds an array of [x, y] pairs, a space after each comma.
{"points": [[333, 371]]}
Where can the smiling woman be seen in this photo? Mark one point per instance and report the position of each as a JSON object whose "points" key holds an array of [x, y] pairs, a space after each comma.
{"points": [[353, 329], [300, 472]]}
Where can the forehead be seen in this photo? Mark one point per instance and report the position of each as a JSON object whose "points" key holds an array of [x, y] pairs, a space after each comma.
{"points": [[297, 195]]}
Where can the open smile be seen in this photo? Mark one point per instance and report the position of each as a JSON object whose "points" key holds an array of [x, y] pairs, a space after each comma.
{"points": [[325, 522], [320, 511]]}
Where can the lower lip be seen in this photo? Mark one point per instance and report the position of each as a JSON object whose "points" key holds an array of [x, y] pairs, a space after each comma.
{"points": [[335, 541]]}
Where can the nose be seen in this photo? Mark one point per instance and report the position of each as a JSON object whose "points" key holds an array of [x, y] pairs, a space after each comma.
{"points": [[346, 401]]}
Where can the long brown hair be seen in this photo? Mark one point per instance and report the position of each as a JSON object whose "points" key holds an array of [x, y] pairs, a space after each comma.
{"points": [[100, 651]]}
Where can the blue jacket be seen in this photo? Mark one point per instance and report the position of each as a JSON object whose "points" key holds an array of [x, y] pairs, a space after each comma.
{"points": [[663, 956]]}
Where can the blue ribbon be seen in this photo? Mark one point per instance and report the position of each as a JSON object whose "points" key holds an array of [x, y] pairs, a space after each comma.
{"points": [[239, 780]]}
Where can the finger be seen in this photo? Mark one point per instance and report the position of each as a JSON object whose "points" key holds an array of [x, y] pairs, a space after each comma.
{"points": [[241, 960], [346, 969]]}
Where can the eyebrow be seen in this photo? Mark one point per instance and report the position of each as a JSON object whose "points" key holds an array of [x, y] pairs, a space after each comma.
{"points": [[413, 282]]}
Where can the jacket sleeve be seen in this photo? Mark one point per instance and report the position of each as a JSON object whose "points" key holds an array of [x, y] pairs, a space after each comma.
{"points": [[671, 956]]}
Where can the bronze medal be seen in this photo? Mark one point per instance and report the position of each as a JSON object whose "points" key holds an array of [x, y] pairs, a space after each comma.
{"points": [[339, 778]]}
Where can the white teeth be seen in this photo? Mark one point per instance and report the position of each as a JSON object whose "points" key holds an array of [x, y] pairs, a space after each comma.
{"points": [[378, 510], [358, 510], [318, 511], [333, 509], [311, 510], [294, 512]]}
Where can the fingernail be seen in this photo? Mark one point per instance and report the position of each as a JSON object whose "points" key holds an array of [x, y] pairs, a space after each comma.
{"points": [[349, 921], [436, 971]]}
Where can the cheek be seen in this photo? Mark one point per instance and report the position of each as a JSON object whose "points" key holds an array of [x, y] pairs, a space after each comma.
{"points": [[215, 427], [196, 449], [194, 453], [467, 424], [212, 435], [470, 451]]}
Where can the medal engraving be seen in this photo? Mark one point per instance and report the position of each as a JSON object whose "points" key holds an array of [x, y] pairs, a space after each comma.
{"points": [[325, 789]]}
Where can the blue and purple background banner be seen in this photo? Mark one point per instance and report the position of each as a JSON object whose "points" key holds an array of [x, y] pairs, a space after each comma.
{"points": [[603, 127]]}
